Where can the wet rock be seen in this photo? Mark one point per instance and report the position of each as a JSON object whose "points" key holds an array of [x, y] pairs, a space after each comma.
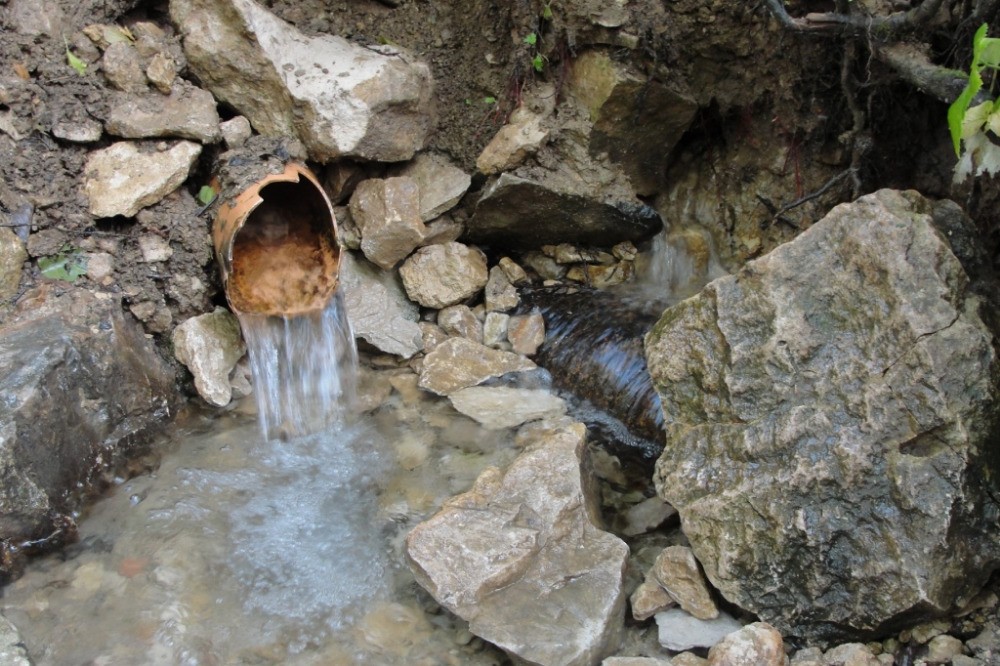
{"points": [[986, 644], [337, 97], [12, 258], [679, 630], [495, 329], [567, 253], [378, 309], [757, 644], [161, 72], [437, 276], [526, 333], [387, 213], [637, 122], [855, 654], [941, 649], [841, 386], [602, 277], [459, 363], [122, 178], [235, 131], [522, 136], [677, 571], [520, 212], [460, 320], [647, 515], [78, 131], [545, 267], [649, 599], [82, 386], [12, 650], [520, 558], [122, 66], [187, 113], [496, 407], [210, 345], [441, 183], [500, 294], [514, 272]]}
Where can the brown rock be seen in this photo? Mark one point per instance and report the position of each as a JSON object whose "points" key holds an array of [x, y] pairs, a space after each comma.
{"points": [[757, 644], [458, 363], [459, 320], [387, 213], [649, 599], [501, 295], [677, 571], [526, 333], [437, 276]]}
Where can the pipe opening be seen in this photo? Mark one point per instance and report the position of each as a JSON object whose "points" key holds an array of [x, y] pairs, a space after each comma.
{"points": [[285, 256]]}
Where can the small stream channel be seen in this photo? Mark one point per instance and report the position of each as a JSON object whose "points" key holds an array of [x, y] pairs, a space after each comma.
{"points": [[237, 549]]}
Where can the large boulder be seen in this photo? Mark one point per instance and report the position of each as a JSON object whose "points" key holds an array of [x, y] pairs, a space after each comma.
{"points": [[831, 416], [339, 98], [520, 557]]}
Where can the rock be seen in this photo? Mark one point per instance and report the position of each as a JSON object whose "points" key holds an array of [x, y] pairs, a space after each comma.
{"points": [[100, 266], [677, 571], [925, 631], [850, 654], [688, 659], [78, 131], [459, 363], [602, 277], [210, 345], [82, 387], [647, 515], [460, 320], [161, 72], [526, 333], [155, 316], [497, 407], [187, 113], [12, 258], [46, 242], [387, 213], [432, 334], [515, 274], [495, 329], [545, 267], [500, 295], [122, 178], [35, 17], [962, 660], [235, 131], [986, 644], [649, 599], [12, 650], [941, 649], [637, 122], [441, 183], [520, 558], [378, 309], [522, 136], [679, 630], [567, 253], [154, 248], [757, 644], [337, 97], [811, 656], [437, 276], [442, 230], [841, 387], [520, 213], [122, 66], [635, 661]]}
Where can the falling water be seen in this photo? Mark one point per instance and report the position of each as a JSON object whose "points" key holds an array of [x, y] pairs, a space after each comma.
{"points": [[304, 369], [679, 264]]}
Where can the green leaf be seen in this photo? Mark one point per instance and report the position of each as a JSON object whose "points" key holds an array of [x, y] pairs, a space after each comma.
{"points": [[538, 62], [489, 100], [975, 118], [531, 39], [547, 12], [206, 194], [66, 266], [958, 108], [74, 62]]}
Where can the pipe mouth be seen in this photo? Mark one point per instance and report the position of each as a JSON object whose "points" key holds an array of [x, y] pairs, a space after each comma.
{"points": [[278, 247]]}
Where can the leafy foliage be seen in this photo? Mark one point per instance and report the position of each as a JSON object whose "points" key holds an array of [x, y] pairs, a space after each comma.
{"points": [[206, 194], [68, 265], [969, 126], [75, 62]]}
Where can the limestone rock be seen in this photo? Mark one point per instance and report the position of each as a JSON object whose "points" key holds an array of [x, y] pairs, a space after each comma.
{"points": [[648, 599], [635, 661], [35, 17], [432, 334], [78, 131], [514, 272], [500, 294], [855, 654], [497, 407], [154, 248], [843, 388], [757, 644], [495, 329], [122, 178], [677, 571], [122, 66], [378, 309], [523, 134], [437, 276], [210, 345], [441, 183], [100, 266], [337, 97], [12, 650], [187, 113], [12, 258], [526, 333], [679, 630], [443, 230], [161, 72], [460, 320], [235, 131], [459, 363], [602, 277], [646, 515], [387, 213], [520, 558]]}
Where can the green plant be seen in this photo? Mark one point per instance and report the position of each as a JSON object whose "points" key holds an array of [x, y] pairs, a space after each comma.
{"points": [[74, 61], [68, 265], [969, 126], [537, 60], [206, 194]]}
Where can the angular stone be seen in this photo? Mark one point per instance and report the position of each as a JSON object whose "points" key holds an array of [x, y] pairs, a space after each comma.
{"points": [[688, 659], [645, 516], [545, 267], [648, 599], [850, 363], [161, 72], [12, 258], [339, 98], [210, 345], [432, 334], [235, 131], [441, 183], [677, 571], [459, 363], [757, 644], [500, 294], [514, 272], [387, 213], [122, 66], [78, 131], [100, 266], [941, 649], [187, 113], [46, 242], [635, 661], [855, 654], [437, 276], [526, 333], [460, 320], [12, 650], [154, 248], [35, 17], [495, 329], [602, 277], [122, 179], [443, 230], [497, 407], [522, 136], [519, 557], [378, 309], [679, 630], [566, 253]]}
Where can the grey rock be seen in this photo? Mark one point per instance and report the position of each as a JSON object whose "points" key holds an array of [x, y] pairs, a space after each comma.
{"points": [[100, 266], [444, 229], [81, 387], [460, 320], [677, 571], [520, 558], [378, 309], [437, 276], [78, 131], [432, 334], [12, 650], [122, 66], [210, 345], [459, 363], [337, 97], [514, 272], [495, 329], [757, 644], [679, 630], [825, 412], [46, 242], [986, 644], [387, 213], [522, 136], [943, 648], [855, 654], [497, 407], [646, 515], [154, 248], [36, 17], [235, 131], [441, 183], [122, 179], [187, 113], [500, 295], [526, 333], [545, 267], [12, 258], [635, 661], [161, 72]]}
